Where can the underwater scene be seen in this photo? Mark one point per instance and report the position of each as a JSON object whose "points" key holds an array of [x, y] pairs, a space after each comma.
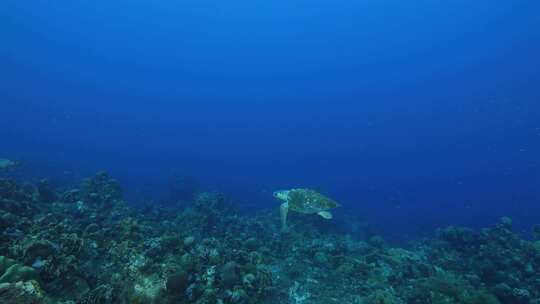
{"points": [[270, 151]]}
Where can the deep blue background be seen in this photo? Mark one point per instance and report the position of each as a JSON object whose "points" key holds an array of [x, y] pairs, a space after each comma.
{"points": [[413, 114]]}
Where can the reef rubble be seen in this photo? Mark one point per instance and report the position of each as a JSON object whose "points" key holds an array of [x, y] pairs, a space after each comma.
{"points": [[87, 245]]}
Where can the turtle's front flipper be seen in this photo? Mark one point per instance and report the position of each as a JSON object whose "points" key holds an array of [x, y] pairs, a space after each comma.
{"points": [[325, 214], [284, 209]]}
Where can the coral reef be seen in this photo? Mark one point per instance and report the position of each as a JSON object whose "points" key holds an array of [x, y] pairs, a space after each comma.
{"points": [[7, 164], [86, 245]]}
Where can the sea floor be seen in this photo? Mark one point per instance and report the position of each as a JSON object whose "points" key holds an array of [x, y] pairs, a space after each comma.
{"points": [[86, 245]]}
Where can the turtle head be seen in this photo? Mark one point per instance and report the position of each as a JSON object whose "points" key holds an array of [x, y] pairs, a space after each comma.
{"points": [[282, 195]]}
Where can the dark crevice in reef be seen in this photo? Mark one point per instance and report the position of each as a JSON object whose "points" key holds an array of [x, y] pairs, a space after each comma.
{"points": [[85, 245]]}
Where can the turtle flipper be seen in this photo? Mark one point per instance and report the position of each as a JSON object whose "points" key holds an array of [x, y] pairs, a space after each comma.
{"points": [[284, 210], [325, 214]]}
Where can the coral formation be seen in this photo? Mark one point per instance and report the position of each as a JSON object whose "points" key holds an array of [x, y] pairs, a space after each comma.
{"points": [[86, 245], [6, 164]]}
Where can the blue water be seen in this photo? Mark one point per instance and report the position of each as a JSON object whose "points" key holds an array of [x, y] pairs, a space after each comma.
{"points": [[412, 115]]}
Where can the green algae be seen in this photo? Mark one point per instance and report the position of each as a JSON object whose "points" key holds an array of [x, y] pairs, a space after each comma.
{"points": [[16, 273]]}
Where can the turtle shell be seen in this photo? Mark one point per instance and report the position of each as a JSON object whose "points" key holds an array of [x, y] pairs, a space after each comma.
{"points": [[309, 201]]}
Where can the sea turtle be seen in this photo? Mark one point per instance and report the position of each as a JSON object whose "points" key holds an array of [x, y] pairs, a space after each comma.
{"points": [[304, 201], [6, 164]]}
